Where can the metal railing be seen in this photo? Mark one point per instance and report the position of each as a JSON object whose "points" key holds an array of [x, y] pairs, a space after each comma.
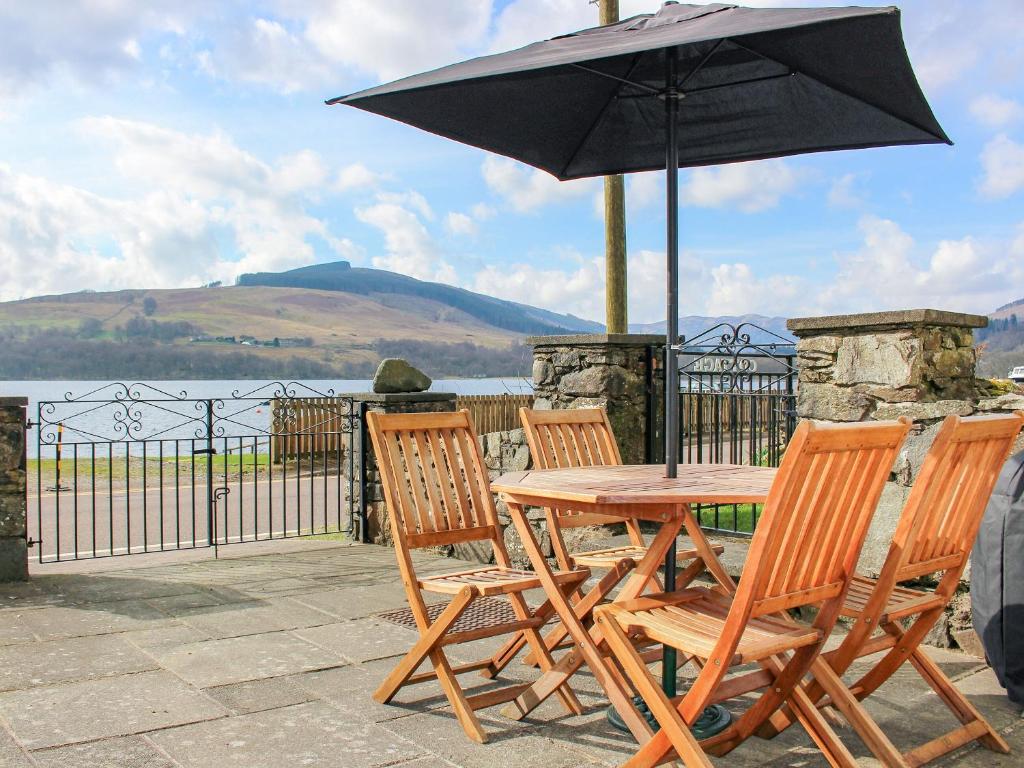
{"points": [[129, 469]]}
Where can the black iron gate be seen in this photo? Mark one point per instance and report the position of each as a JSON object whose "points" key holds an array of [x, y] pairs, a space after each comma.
{"points": [[737, 405], [130, 468]]}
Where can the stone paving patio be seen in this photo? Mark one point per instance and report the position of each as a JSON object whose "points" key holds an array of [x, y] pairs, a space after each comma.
{"points": [[269, 660]]}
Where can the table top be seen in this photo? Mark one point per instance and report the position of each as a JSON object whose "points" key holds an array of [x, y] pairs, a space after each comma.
{"points": [[641, 484]]}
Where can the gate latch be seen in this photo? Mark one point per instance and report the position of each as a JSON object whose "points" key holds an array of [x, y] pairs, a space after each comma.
{"points": [[211, 451]]}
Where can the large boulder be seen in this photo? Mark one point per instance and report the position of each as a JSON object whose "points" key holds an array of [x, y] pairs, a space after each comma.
{"points": [[396, 375]]}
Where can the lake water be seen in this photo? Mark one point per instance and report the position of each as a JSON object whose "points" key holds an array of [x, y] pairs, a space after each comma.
{"points": [[95, 411]]}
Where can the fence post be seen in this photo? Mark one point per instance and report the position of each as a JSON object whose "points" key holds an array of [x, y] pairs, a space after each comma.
{"points": [[13, 491]]}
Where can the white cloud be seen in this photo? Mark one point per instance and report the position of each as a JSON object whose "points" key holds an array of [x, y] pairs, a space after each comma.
{"points": [[888, 273], [483, 212], [952, 42], [526, 189], [996, 111], [357, 176], [198, 209], [298, 45], [302, 171], [89, 41], [460, 224], [265, 52], [1002, 161], [643, 189], [751, 187], [411, 249], [843, 192]]}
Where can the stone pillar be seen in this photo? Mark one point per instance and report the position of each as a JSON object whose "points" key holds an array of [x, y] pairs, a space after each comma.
{"points": [[621, 372], [377, 522], [13, 503]]}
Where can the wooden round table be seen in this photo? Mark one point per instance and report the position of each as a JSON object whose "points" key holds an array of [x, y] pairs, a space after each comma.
{"points": [[641, 492]]}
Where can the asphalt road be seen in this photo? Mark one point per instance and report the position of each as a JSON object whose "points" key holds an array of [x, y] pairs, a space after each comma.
{"points": [[99, 523]]}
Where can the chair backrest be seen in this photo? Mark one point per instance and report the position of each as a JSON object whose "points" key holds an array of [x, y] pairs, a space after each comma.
{"points": [[943, 512], [435, 483], [578, 437], [816, 517]]}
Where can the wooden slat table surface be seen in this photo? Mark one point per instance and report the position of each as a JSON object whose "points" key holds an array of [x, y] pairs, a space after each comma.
{"points": [[641, 484]]}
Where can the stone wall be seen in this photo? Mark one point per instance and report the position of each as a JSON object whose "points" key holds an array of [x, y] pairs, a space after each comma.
{"points": [[620, 372], [879, 366], [13, 540]]}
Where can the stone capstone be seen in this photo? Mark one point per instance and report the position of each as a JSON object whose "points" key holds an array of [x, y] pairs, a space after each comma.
{"points": [[396, 375]]}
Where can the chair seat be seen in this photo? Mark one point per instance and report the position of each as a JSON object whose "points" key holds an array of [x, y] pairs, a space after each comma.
{"points": [[494, 580], [609, 558], [902, 602], [693, 620]]}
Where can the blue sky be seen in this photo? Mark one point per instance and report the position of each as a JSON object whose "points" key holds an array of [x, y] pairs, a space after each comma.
{"points": [[175, 142]]}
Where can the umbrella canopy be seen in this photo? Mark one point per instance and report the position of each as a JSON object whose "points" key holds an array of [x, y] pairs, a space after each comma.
{"points": [[752, 83]]}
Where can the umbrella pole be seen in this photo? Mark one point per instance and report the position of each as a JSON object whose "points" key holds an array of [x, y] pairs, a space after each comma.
{"points": [[668, 664]]}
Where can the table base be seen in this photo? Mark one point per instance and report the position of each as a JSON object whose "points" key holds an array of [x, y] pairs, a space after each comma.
{"points": [[712, 721]]}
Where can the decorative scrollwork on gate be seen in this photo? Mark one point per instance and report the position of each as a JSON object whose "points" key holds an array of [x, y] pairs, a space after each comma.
{"points": [[730, 358]]}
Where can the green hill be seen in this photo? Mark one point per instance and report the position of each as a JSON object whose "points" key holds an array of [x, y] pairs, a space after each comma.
{"points": [[341, 276], [328, 320]]}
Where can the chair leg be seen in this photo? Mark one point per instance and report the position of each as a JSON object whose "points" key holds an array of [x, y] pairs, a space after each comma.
{"points": [[672, 725], [958, 704], [453, 691], [856, 715], [584, 606], [536, 643], [429, 639]]}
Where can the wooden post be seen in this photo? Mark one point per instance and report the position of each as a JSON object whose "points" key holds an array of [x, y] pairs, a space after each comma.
{"points": [[614, 226]]}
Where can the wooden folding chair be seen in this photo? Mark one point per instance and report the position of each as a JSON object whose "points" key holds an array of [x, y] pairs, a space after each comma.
{"points": [[437, 492], [583, 437], [935, 533], [803, 552]]}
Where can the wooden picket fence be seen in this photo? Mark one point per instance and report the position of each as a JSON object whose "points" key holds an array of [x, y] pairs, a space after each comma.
{"points": [[310, 426], [494, 413]]}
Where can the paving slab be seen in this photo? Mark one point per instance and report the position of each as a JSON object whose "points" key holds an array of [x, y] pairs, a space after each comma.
{"points": [[260, 695], [362, 639], [239, 659], [14, 628], [11, 753], [357, 682], [253, 617], [78, 658], [164, 636], [510, 742], [84, 619], [56, 715], [307, 734], [99, 588], [126, 752], [359, 602]]}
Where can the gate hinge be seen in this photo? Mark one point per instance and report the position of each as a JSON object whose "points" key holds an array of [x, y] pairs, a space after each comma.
{"points": [[29, 424], [30, 542]]}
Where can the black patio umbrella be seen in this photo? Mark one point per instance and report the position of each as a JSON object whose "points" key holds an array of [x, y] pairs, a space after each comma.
{"points": [[690, 85]]}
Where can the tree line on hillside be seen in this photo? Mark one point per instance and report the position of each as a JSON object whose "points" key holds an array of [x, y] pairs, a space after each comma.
{"points": [[1001, 346], [142, 351]]}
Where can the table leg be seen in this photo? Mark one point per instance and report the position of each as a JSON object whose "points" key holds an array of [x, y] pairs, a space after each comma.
{"points": [[704, 550], [586, 648]]}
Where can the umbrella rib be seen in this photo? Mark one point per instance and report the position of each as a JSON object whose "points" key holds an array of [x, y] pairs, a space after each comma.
{"points": [[604, 109], [626, 81], [845, 92], [702, 62]]}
